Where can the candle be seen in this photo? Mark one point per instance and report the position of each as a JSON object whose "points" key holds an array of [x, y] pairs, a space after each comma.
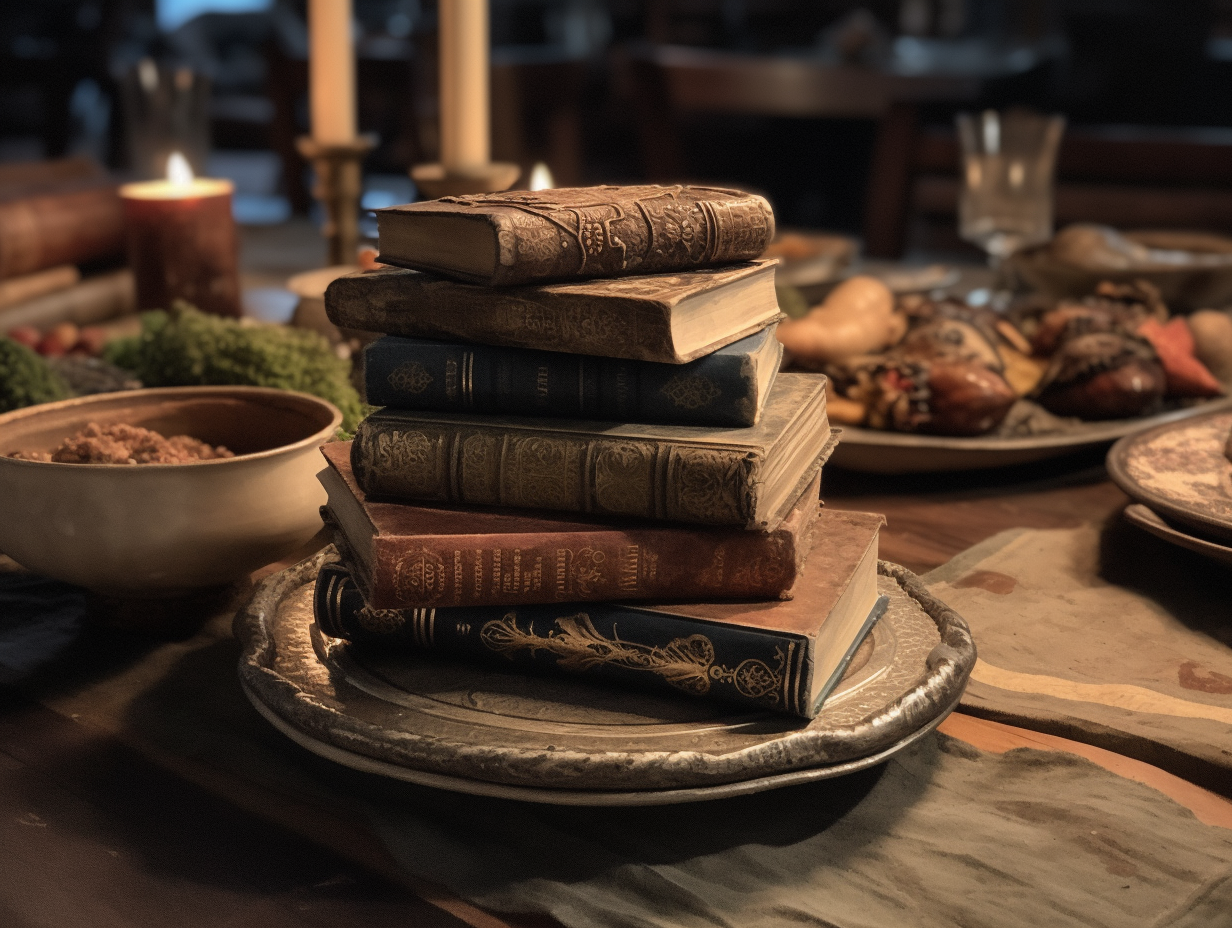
{"points": [[331, 79], [463, 26], [182, 242]]}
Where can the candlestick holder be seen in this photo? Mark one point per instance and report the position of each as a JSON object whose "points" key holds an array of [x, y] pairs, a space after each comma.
{"points": [[338, 188], [436, 181]]}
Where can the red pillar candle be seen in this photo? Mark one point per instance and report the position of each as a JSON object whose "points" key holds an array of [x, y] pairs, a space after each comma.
{"points": [[182, 243]]}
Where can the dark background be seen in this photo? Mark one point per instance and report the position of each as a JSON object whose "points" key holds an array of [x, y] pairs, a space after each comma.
{"points": [[565, 91]]}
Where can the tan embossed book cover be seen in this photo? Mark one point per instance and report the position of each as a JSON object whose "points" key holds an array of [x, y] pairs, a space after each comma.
{"points": [[671, 318], [503, 239], [747, 477]]}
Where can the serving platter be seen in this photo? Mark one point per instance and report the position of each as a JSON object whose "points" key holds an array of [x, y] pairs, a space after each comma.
{"points": [[881, 452], [489, 731], [1180, 470], [1149, 521]]}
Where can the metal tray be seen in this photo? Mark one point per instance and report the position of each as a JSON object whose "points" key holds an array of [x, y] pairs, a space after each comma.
{"points": [[488, 731], [879, 452], [1179, 470]]}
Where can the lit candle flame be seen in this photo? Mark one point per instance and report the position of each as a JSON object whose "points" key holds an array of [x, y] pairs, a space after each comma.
{"points": [[179, 171], [541, 177]]}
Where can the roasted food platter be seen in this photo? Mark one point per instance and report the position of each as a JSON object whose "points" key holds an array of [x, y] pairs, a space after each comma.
{"points": [[487, 731], [881, 452]]}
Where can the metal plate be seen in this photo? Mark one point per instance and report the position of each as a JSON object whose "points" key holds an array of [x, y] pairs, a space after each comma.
{"points": [[877, 452], [1180, 471], [1149, 521], [489, 731]]}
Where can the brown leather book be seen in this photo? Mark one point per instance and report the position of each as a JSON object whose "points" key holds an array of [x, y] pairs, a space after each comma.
{"points": [[405, 556], [503, 239], [671, 318], [747, 477], [80, 224], [784, 656]]}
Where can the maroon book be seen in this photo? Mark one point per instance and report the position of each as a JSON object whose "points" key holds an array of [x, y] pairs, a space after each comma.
{"points": [[413, 556]]}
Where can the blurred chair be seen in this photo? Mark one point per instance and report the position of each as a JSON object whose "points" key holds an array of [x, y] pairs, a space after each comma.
{"points": [[1126, 176]]}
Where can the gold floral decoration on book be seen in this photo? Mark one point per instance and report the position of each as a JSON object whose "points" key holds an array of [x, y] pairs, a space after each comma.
{"points": [[410, 378], [688, 391], [685, 663]]}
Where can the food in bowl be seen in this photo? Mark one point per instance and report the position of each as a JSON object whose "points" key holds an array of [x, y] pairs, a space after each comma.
{"points": [[125, 444], [161, 530]]}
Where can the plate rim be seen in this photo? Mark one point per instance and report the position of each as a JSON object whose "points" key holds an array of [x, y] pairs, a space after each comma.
{"points": [[1156, 525], [576, 797], [949, 666], [1117, 464]]}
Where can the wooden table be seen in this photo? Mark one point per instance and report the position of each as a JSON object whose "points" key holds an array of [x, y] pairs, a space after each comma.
{"points": [[98, 828]]}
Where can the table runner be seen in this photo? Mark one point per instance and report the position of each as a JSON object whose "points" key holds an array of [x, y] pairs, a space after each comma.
{"points": [[943, 835], [1103, 635]]}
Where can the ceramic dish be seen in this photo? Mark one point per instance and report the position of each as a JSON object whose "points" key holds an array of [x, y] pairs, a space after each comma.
{"points": [[158, 530], [878, 452], [1180, 471], [1149, 521], [495, 732]]}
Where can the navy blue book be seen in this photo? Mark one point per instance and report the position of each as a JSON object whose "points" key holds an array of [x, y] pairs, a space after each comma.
{"points": [[726, 388], [784, 655]]}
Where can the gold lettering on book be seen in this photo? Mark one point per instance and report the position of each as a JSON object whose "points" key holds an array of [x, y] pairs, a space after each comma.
{"points": [[686, 663], [457, 577], [532, 580], [451, 378], [629, 568], [542, 386], [562, 572]]}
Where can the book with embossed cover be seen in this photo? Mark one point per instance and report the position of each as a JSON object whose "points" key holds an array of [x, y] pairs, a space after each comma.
{"points": [[780, 655], [406, 555], [728, 387], [747, 477], [520, 237], [669, 318]]}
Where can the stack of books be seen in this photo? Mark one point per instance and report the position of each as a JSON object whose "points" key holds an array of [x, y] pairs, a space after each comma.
{"points": [[587, 459]]}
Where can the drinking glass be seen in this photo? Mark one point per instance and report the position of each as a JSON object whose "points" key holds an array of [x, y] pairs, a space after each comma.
{"points": [[1008, 162]]}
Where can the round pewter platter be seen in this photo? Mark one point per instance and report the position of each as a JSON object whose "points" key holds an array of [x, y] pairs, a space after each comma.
{"points": [[1180, 471], [878, 452], [486, 730]]}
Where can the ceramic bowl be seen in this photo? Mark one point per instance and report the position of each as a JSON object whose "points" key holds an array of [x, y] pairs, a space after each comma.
{"points": [[157, 530]]}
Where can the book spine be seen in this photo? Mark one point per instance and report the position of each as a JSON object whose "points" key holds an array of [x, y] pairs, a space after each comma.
{"points": [[631, 564], [669, 229], [67, 228], [443, 377], [415, 305], [617, 642], [525, 468]]}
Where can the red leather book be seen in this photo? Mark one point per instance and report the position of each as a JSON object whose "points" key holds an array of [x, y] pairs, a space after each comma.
{"points": [[412, 556]]}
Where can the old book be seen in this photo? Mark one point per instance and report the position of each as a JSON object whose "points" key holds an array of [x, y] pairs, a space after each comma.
{"points": [[81, 224], [780, 655], [669, 318], [94, 299], [408, 556], [748, 477], [504, 239], [728, 387], [31, 286]]}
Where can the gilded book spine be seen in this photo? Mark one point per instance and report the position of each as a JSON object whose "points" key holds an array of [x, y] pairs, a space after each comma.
{"points": [[621, 643], [422, 459], [411, 373]]}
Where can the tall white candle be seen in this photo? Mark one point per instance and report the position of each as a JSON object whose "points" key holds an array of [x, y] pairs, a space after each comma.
{"points": [[331, 71], [463, 26]]}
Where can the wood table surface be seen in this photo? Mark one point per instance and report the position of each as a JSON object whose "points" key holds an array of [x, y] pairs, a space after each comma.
{"points": [[95, 832]]}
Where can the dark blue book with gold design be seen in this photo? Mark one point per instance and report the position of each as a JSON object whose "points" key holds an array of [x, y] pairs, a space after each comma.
{"points": [[786, 656], [726, 388]]}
